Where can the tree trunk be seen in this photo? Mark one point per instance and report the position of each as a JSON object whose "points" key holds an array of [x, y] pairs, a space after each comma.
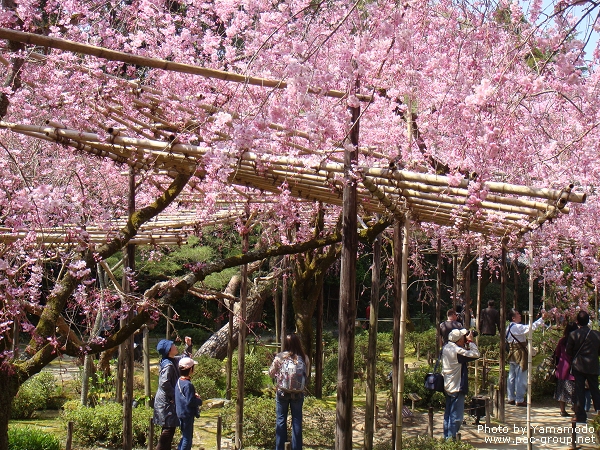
{"points": [[9, 380], [216, 345]]}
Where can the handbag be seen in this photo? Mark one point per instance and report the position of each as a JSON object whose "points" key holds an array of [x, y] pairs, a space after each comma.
{"points": [[434, 381]]}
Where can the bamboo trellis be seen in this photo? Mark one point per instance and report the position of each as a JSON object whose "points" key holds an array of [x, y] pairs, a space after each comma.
{"points": [[508, 209]]}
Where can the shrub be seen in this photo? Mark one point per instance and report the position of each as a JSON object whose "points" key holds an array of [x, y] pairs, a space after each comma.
{"points": [[33, 395], [254, 379], [414, 382], [211, 368], [104, 423], [319, 424], [426, 443], [318, 429], [258, 423], [27, 438], [206, 388], [330, 367]]}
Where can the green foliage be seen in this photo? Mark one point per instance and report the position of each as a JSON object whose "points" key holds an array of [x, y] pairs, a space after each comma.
{"points": [[198, 335], [414, 381], [330, 367], [104, 423], [425, 340], [254, 379], [259, 422], [319, 431], [489, 346], [33, 395], [209, 377], [425, 443], [27, 438], [540, 388]]}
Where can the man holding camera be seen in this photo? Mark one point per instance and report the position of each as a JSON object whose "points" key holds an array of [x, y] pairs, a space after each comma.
{"points": [[459, 350], [516, 337]]}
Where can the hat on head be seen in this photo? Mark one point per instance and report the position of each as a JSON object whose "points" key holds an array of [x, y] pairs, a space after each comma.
{"points": [[164, 347], [456, 334], [186, 363]]}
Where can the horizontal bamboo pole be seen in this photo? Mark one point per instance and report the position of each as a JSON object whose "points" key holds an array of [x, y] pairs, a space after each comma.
{"points": [[113, 55]]}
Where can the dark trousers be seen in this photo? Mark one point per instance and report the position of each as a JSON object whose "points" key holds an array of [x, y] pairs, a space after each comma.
{"points": [[166, 438], [579, 406]]}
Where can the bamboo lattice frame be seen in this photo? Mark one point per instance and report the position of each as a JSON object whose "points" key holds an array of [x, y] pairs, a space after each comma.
{"points": [[508, 209]]}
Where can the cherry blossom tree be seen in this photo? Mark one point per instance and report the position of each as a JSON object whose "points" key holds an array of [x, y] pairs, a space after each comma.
{"points": [[492, 91]]}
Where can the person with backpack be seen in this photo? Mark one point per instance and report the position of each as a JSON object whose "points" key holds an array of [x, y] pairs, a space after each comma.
{"points": [[187, 403], [516, 338], [289, 368], [165, 413]]}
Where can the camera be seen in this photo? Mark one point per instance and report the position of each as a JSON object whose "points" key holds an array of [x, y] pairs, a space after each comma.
{"points": [[473, 333]]}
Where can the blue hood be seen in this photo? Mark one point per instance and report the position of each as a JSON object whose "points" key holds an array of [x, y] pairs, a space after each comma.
{"points": [[163, 347]]}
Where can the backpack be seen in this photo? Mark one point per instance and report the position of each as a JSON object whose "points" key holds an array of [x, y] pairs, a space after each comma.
{"points": [[292, 375]]}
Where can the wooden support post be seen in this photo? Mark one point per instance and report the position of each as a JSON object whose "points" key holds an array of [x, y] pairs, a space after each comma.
{"points": [[146, 362], [502, 374], [228, 365], [371, 393], [401, 344], [573, 435], [430, 421], [319, 348], [438, 299], [243, 322], [487, 411], [288, 446], [69, 443], [127, 346], [219, 431], [151, 434], [347, 303]]}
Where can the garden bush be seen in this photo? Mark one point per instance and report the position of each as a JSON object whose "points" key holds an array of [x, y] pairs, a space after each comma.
{"points": [[425, 443], [104, 423], [318, 428], [254, 378], [27, 438], [209, 377], [414, 381], [33, 395]]}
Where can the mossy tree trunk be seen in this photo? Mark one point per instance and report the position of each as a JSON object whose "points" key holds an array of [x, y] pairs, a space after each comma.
{"points": [[309, 269]]}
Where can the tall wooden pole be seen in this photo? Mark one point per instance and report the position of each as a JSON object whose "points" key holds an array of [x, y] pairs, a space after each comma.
{"points": [[319, 348], [284, 301], [347, 305], [229, 364], [502, 376], [239, 410], [477, 324], [371, 395], [277, 302], [403, 316], [530, 349], [467, 289], [438, 297], [128, 348]]}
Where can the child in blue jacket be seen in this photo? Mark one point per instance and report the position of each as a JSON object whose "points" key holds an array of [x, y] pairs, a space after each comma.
{"points": [[187, 403]]}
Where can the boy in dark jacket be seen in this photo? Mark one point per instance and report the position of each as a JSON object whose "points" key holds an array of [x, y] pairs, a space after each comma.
{"points": [[187, 403]]}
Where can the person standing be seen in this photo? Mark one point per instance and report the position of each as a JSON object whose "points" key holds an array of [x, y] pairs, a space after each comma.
{"points": [[447, 326], [582, 346], [459, 350], [489, 320], [289, 368], [516, 336], [187, 403], [565, 382], [165, 413]]}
